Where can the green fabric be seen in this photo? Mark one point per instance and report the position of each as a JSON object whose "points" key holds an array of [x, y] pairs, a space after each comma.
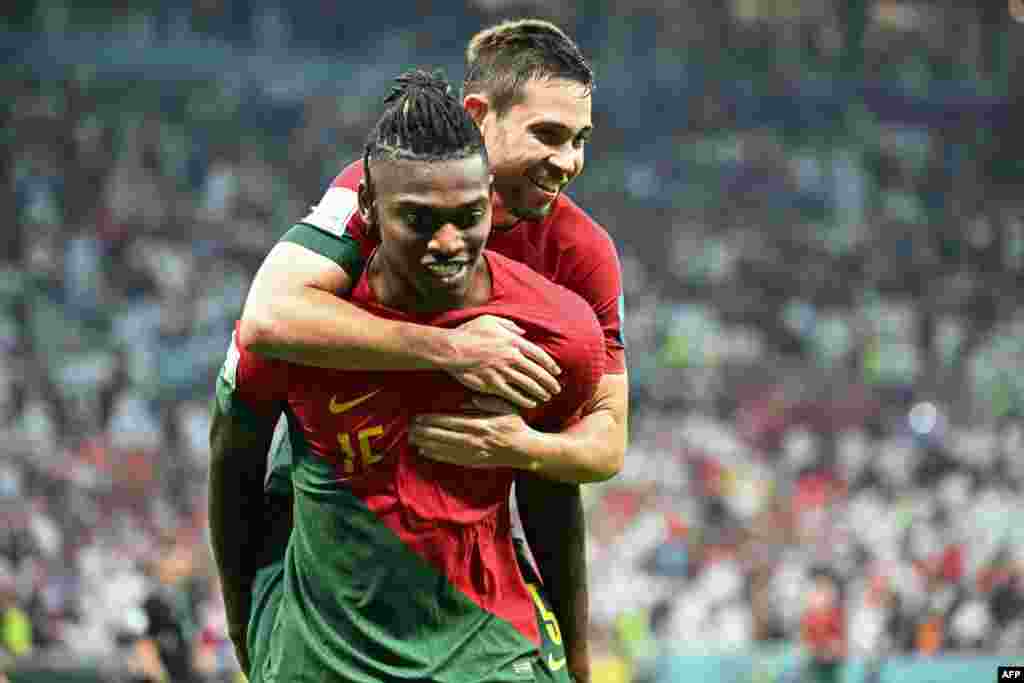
{"points": [[267, 590], [278, 480], [229, 405], [551, 666], [342, 250], [345, 252], [360, 606]]}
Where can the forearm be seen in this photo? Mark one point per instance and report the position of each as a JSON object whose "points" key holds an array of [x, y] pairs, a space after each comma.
{"points": [[295, 312], [560, 553], [231, 508], [592, 449], [313, 327], [236, 503], [588, 451]]}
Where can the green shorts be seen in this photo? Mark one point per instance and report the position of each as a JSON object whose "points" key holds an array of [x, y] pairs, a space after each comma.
{"points": [[268, 589], [268, 584], [551, 665]]}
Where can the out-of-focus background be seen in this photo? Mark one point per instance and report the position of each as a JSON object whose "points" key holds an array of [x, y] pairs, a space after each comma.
{"points": [[820, 211]]}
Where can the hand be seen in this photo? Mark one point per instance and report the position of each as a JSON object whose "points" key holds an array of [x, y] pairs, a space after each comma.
{"points": [[577, 655], [492, 435], [238, 638], [580, 674], [492, 357]]}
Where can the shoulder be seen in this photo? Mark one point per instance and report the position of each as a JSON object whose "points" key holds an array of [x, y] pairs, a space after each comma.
{"points": [[521, 286], [576, 230], [340, 204], [561, 322], [350, 176]]}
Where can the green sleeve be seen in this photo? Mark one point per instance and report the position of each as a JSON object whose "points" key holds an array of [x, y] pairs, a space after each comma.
{"points": [[342, 250]]}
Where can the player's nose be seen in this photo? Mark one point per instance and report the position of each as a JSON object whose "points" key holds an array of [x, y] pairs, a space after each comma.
{"points": [[568, 161], [447, 240]]}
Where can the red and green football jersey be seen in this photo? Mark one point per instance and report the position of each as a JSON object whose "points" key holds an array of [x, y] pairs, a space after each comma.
{"points": [[567, 247], [400, 567]]}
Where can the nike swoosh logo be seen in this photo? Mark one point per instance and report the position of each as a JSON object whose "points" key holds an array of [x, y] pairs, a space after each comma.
{"points": [[555, 664], [339, 408]]}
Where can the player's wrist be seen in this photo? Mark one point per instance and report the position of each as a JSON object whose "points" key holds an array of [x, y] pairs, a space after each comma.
{"points": [[542, 453], [578, 661], [432, 348]]}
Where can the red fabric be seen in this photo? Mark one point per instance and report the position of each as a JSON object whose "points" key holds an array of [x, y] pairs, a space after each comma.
{"points": [[822, 629], [815, 490], [951, 564], [455, 518], [568, 247]]}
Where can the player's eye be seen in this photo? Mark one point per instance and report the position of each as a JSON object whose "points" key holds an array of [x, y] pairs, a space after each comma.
{"points": [[471, 217], [548, 136], [420, 221]]}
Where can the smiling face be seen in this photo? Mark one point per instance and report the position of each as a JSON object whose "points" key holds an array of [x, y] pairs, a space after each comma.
{"points": [[536, 147], [433, 218]]}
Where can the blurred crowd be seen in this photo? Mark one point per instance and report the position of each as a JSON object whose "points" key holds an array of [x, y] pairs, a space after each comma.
{"points": [[823, 256]]}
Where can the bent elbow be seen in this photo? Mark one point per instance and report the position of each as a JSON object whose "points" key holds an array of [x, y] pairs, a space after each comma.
{"points": [[256, 331], [600, 469], [610, 466]]}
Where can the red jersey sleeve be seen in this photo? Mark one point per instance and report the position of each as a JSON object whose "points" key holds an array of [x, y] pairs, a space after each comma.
{"points": [[605, 282], [588, 264], [260, 384], [575, 341]]}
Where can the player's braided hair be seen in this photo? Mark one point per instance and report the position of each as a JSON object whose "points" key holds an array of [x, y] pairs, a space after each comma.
{"points": [[502, 59], [422, 121]]}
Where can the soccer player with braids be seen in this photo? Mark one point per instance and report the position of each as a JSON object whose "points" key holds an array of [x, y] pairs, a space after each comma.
{"points": [[529, 89], [399, 567]]}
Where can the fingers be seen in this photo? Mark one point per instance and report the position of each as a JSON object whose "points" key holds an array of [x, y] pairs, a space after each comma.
{"points": [[491, 404], [494, 319], [524, 381], [497, 385], [541, 357], [438, 436], [242, 655], [514, 395], [509, 325], [443, 445]]}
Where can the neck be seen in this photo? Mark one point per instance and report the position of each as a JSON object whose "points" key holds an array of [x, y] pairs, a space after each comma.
{"points": [[399, 293], [503, 219]]}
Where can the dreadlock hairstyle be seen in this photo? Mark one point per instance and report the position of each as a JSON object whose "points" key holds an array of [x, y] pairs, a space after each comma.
{"points": [[502, 59], [422, 121]]}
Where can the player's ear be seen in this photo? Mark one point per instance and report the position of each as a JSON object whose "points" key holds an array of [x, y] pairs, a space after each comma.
{"points": [[477, 106], [365, 202]]}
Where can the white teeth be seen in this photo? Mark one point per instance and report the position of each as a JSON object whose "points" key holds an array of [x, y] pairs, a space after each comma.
{"points": [[445, 268], [552, 190]]}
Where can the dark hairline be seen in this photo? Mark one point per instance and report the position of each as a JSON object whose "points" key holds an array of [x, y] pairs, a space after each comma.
{"points": [[503, 59], [515, 93]]}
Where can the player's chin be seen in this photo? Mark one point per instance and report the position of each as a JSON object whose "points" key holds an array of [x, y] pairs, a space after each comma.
{"points": [[447, 291], [533, 210]]}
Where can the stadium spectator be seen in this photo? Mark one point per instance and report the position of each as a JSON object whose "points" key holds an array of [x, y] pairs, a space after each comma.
{"points": [[864, 292], [823, 628]]}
